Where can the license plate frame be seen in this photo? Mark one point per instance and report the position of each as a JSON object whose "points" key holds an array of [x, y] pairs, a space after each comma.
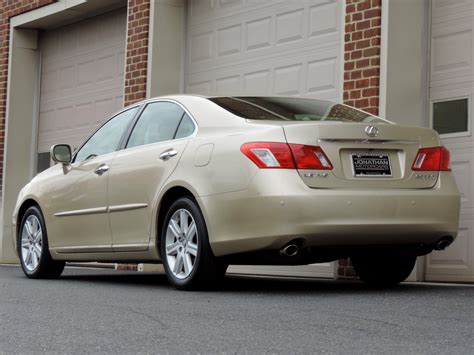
{"points": [[376, 169]]}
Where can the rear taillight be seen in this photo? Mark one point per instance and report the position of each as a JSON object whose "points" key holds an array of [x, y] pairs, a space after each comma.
{"points": [[286, 156], [432, 159], [310, 157], [269, 155]]}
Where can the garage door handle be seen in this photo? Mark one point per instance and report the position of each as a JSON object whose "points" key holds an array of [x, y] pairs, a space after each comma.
{"points": [[101, 169], [168, 154]]}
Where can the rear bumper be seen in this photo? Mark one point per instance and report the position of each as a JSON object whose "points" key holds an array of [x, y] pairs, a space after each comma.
{"points": [[278, 207]]}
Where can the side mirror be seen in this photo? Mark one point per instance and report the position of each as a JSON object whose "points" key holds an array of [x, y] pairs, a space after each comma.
{"points": [[61, 153]]}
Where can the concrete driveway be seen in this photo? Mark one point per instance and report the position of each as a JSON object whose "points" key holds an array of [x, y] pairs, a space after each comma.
{"points": [[106, 311]]}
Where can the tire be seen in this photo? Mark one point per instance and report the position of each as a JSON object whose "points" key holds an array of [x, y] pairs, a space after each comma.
{"points": [[383, 270], [185, 251], [33, 247]]}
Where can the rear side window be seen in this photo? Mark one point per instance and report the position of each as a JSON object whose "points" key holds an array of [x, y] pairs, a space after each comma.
{"points": [[186, 127], [158, 122], [292, 109]]}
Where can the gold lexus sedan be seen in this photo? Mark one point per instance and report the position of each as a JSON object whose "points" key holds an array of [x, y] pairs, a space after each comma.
{"points": [[198, 183]]}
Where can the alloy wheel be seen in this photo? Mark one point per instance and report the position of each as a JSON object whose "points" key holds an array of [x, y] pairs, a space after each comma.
{"points": [[31, 243], [181, 243]]}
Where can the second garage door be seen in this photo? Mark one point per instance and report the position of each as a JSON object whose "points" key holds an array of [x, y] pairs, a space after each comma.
{"points": [[82, 79], [266, 47]]}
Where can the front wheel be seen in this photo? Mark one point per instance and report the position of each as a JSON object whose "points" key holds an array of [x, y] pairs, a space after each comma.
{"points": [[185, 251], [383, 270], [36, 261]]}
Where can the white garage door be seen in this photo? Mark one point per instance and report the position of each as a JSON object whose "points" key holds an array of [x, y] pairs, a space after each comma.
{"points": [[451, 94], [82, 78], [266, 47]]}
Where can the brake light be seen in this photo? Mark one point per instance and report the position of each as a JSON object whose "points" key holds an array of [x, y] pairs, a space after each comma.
{"points": [[286, 156], [432, 159], [310, 157]]}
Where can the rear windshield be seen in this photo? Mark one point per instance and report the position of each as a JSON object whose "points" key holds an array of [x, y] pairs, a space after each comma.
{"points": [[290, 109]]}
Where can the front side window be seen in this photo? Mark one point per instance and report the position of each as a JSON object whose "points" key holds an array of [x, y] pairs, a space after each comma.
{"points": [[159, 122], [107, 138]]}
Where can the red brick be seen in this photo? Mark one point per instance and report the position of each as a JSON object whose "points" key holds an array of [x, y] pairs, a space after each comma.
{"points": [[349, 85], [362, 83], [363, 5], [357, 35], [349, 65], [370, 52], [363, 44], [362, 103], [356, 74], [370, 92], [355, 94], [372, 32], [371, 72], [357, 16], [363, 25], [362, 63], [356, 54], [372, 13]]}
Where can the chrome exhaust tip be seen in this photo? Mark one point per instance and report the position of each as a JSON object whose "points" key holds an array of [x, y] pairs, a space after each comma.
{"points": [[289, 250], [443, 243]]}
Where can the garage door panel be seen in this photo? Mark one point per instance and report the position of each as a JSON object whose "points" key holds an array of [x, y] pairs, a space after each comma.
{"points": [[451, 78], [82, 78], [256, 36], [311, 74], [455, 263]]}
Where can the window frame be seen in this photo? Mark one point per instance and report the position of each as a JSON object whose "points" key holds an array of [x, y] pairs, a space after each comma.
{"points": [[135, 120], [466, 133], [125, 109]]}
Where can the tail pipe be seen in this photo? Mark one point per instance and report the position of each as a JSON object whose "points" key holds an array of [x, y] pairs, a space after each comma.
{"points": [[290, 250], [443, 243]]}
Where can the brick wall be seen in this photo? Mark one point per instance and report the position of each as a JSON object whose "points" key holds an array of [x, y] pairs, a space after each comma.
{"points": [[8, 9], [137, 51], [361, 67], [362, 54]]}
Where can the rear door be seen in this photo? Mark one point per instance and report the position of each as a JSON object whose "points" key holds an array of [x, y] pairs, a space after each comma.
{"points": [[152, 152]]}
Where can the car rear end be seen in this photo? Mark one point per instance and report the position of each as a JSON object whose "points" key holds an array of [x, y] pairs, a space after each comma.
{"points": [[340, 178]]}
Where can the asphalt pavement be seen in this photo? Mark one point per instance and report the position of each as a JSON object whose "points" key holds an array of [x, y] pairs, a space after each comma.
{"points": [[107, 311]]}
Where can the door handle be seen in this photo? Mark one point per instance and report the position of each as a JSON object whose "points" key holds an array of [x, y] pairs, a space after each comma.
{"points": [[101, 169], [168, 154]]}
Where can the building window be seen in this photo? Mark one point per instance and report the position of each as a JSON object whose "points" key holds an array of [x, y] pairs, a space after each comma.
{"points": [[44, 162], [451, 116]]}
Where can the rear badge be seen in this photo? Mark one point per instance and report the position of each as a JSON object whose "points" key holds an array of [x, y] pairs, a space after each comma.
{"points": [[372, 131]]}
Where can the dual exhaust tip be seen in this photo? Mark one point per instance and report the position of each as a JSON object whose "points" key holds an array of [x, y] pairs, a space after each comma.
{"points": [[293, 249], [443, 243], [290, 250]]}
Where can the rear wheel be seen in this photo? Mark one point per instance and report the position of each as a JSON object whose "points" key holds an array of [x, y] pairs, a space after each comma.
{"points": [[36, 261], [186, 254], [383, 270]]}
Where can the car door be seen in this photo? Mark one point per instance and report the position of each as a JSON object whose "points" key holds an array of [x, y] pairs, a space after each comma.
{"points": [[139, 171], [80, 222]]}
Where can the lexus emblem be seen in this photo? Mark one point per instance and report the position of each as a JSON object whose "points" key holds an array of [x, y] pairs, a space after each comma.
{"points": [[371, 131]]}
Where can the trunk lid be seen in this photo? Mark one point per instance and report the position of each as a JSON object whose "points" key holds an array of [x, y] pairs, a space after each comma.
{"points": [[351, 148]]}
